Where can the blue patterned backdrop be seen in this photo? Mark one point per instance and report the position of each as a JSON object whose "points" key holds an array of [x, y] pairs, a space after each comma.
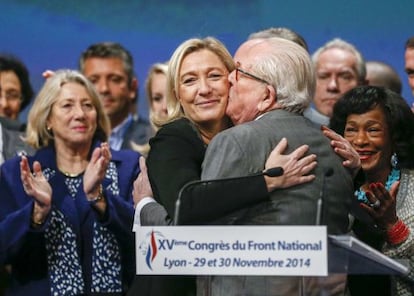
{"points": [[49, 34]]}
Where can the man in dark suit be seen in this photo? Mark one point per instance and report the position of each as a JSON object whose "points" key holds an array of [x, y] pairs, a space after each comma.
{"points": [[273, 83], [11, 143], [339, 68], [109, 66]]}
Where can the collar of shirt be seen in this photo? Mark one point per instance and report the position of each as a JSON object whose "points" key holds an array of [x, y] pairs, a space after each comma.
{"points": [[117, 134], [315, 116]]}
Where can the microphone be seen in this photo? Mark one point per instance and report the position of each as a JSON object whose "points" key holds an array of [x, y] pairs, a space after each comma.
{"points": [[274, 172], [185, 195], [319, 204]]}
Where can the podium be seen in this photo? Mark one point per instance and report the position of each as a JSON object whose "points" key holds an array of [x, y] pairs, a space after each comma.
{"points": [[345, 254], [349, 255], [215, 253]]}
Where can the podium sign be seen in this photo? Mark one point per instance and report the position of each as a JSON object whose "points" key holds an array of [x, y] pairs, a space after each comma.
{"points": [[231, 250]]}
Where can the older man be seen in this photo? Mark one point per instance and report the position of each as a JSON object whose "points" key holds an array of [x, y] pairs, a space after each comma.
{"points": [[339, 67], [266, 104], [409, 62]]}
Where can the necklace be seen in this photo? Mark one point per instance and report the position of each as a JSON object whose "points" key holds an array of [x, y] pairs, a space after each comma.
{"points": [[392, 177], [70, 175]]}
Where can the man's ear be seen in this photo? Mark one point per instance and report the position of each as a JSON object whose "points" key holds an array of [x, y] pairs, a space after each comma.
{"points": [[133, 89], [269, 100]]}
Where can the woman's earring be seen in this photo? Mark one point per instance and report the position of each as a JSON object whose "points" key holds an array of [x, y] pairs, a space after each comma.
{"points": [[394, 160], [49, 130]]}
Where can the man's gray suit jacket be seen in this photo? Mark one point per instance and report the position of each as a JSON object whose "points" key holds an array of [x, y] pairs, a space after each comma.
{"points": [[244, 149]]}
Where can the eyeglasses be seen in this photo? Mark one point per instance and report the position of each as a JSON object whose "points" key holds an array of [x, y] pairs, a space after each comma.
{"points": [[11, 96], [238, 69]]}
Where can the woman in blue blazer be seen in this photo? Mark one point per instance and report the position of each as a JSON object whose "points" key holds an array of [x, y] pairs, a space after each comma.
{"points": [[66, 212]]}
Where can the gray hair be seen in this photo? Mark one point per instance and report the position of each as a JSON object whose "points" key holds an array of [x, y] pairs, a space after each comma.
{"points": [[341, 44], [280, 32], [288, 68]]}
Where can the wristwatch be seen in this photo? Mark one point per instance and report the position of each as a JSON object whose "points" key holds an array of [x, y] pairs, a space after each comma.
{"points": [[97, 198]]}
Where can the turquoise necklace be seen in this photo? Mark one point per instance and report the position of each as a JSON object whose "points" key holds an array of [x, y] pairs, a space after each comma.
{"points": [[392, 177]]}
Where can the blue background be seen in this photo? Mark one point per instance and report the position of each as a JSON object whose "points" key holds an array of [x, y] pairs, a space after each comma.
{"points": [[48, 34]]}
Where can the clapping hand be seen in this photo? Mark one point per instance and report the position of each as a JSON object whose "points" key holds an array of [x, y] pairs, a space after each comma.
{"points": [[382, 207], [36, 185], [96, 170]]}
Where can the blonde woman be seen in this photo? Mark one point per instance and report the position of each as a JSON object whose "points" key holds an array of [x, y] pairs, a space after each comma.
{"points": [[197, 92], [155, 88], [68, 209]]}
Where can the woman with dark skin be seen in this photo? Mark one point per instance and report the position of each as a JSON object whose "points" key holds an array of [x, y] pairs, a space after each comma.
{"points": [[380, 126]]}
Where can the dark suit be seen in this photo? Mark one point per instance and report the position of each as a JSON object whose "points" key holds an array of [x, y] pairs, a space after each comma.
{"points": [[12, 124], [244, 149], [174, 159], [139, 132], [13, 144]]}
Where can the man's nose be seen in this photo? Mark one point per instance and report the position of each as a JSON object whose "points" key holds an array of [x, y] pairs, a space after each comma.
{"points": [[232, 77], [102, 86], [3, 101], [333, 83]]}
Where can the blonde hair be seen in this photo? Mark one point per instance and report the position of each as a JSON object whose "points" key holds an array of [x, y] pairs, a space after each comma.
{"points": [[158, 68], [212, 44], [37, 134]]}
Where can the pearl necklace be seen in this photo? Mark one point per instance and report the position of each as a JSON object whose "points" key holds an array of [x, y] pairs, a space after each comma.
{"points": [[392, 177]]}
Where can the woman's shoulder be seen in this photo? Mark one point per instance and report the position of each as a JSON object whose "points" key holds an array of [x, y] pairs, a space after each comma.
{"points": [[181, 127], [407, 174], [11, 164], [40, 155], [181, 123], [124, 155], [179, 135]]}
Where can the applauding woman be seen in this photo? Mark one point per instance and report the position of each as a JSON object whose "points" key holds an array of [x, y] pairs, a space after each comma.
{"points": [[67, 211], [380, 126]]}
